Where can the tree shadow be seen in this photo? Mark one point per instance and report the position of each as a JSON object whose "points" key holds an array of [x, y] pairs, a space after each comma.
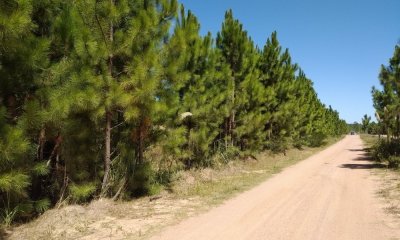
{"points": [[359, 149], [363, 161], [364, 157], [355, 149], [362, 166]]}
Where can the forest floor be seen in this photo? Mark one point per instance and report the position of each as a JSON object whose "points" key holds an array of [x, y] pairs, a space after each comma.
{"points": [[335, 194], [193, 192]]}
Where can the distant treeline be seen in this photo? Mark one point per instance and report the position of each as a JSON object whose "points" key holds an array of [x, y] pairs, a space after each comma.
{"points": [[111, 97]]}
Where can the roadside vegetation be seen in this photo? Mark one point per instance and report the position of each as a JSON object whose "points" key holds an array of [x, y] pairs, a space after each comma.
{"points": [[111, 99], [388, 175], [387, 106], [190, 193], [382, 138]]}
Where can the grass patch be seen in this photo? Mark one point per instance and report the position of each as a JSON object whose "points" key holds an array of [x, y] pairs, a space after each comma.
{"points": [[369, 140]]}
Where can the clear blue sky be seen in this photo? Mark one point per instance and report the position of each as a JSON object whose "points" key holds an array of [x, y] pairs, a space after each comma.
{"points": [[340, 44]]}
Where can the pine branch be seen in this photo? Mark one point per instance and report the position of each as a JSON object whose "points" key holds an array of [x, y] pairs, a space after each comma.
{"points": [[118, 125], [101, 28]]}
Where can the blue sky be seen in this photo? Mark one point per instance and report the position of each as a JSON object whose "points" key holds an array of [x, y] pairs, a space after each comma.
{"points": [[340, 44]]}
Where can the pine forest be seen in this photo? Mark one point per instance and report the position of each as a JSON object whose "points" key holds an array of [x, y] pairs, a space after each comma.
{"points": [[109, 98]]}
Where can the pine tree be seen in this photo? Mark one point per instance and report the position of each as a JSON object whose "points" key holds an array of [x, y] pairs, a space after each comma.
{"points": [[86, 74], [203, 95], [14, 172], [305, 108], [239, 53], [278, 78], [23, 56], [149, 83], [386, 101], [365, 121]]}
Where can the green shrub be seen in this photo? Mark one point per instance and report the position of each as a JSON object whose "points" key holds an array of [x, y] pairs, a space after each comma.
{"points": [[140, 183], [316, 139], [82, 192], [164, 176], [393, 161], [41, 169], [278, 145], [154, 189], [299, 143], [42, 205], [382, 150], [8, 216]]}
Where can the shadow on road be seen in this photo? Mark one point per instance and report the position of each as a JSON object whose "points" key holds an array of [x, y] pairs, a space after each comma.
{"points": [[363, 161], [362, 165], [366, 158], [359, 149], [363, 157]]}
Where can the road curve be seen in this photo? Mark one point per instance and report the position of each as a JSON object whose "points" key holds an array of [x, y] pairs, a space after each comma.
{"points": [[329, 196]]}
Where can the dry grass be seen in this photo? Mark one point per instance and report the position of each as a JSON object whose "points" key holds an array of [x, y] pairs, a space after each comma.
{"points": [[105, 219], [389, 183], [369, 140], [193, 192]]}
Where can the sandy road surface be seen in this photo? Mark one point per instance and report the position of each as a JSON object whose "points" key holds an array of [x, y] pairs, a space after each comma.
{"points": [[331, 195]]}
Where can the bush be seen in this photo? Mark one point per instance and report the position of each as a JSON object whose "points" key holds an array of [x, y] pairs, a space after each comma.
{"points": [[83, 192], [42, 205], [393, 161], [299, 143], [142, 180], [278, 145], [316, 139], [165, 176], [221, 155], [384, 151], [380, 151]]}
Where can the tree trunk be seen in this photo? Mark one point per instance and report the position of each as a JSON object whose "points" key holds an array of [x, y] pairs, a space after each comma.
{"points": [[121, 188], [233, 112], [42, 141], [107, 143], [140, 135], [56, 150], [226, 132], [107, 152], [12, 107], [232, 127], [140, 143]]}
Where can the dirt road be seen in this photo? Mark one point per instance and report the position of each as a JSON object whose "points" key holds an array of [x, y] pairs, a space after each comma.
{"points": [[331, 195]]}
